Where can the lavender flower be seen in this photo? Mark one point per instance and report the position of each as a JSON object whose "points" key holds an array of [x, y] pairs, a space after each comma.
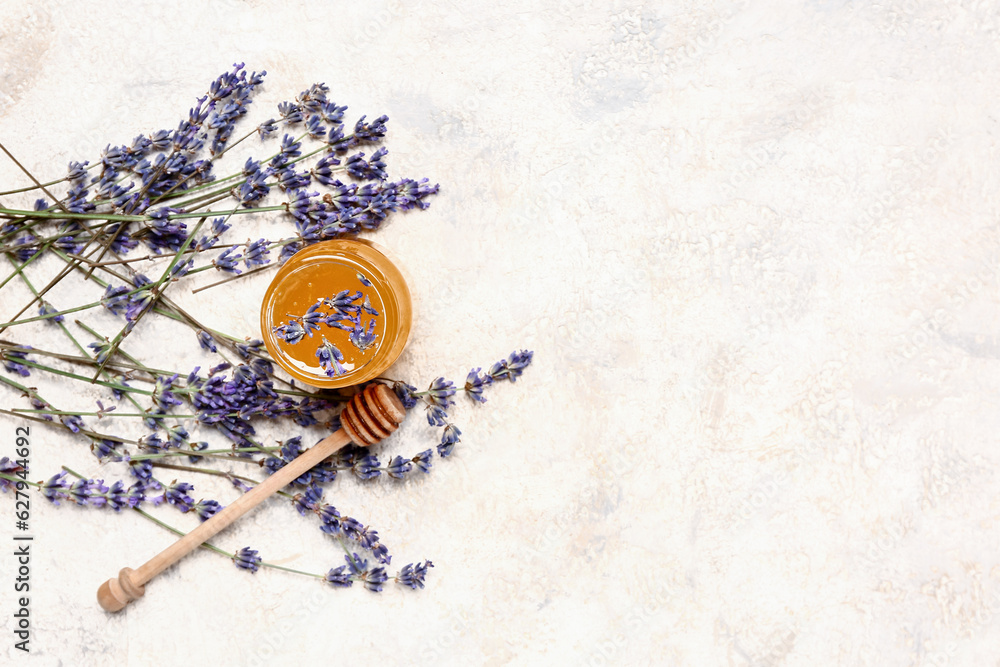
{"points": [[449, 439], [77, 172], [343, 302], [117, 498], [423, 460], [290, 112], [312, 318], [300, 203], [228, 261], [370, 132], [398, 467], [330, 358], [257, 253], [291, 333], [323, 172], [338, 577], [140, 299], [115, 299], [247, 559], [8, 467], [105, 448], [55, 488], [88, 492], [197, 447], [476, 383], [12, 362], [267, 128], [440, 392], [413, 575], [436, 415], [374, 578], [367, 467], [290, 148], [72, 422], [512, 367], [177, 494], [142, 470], [308, 501], [356, 564], [205, 509], [251, 346], [406, 393], [410, 193], [206, 341], [361, 338]]}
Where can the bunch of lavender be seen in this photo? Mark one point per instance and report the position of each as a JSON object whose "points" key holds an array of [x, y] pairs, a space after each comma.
{"points": [[145, 194]]}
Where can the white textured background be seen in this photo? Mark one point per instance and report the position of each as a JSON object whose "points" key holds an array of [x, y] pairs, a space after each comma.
{"points": [[755, 248]]}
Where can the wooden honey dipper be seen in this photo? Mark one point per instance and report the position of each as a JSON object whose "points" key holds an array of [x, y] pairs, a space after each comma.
{"points": [[367, 418]]}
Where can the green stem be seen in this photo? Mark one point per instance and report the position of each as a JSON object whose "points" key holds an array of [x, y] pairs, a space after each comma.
{"points": [[15, 478], [83, 378], [209, 453]]}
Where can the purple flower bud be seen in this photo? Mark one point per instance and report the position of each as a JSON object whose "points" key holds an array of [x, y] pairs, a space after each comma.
{"points": [[247, 559]]}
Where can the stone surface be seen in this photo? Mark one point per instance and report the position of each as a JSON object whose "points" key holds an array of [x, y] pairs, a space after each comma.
{"points": [[755, 249]]}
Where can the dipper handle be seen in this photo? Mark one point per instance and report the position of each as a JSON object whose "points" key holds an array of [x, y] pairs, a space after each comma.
{"points": [[368, 417]]}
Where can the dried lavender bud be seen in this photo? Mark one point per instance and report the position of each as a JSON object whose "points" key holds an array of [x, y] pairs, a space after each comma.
{"points": [[55, 488], [370, 132], [449, 439], [205, 509], [77, 173], [142, 470], [343, 303], [105, 448], [139, 300], [440, 391], [338, 577], [436, 416], [72, 422], [361, 338], [206, 341], [330, 358], [257, 253], [475, 383], [11, 362], [423, 460], [367, 467], [88, 492], [291, 333], [115, 299], [247, 559], [374, 578], [228, 262], [398, 467], [413, 575]]}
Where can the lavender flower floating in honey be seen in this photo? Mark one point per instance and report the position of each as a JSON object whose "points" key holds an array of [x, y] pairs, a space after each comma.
{"points": [[330, 358], [345, 311]]}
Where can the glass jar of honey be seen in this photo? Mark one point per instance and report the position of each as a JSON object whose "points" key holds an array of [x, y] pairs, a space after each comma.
{"points": [[337, 314]]}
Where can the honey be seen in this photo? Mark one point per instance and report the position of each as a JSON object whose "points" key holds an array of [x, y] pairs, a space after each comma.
{"points": [[319, 274]]}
